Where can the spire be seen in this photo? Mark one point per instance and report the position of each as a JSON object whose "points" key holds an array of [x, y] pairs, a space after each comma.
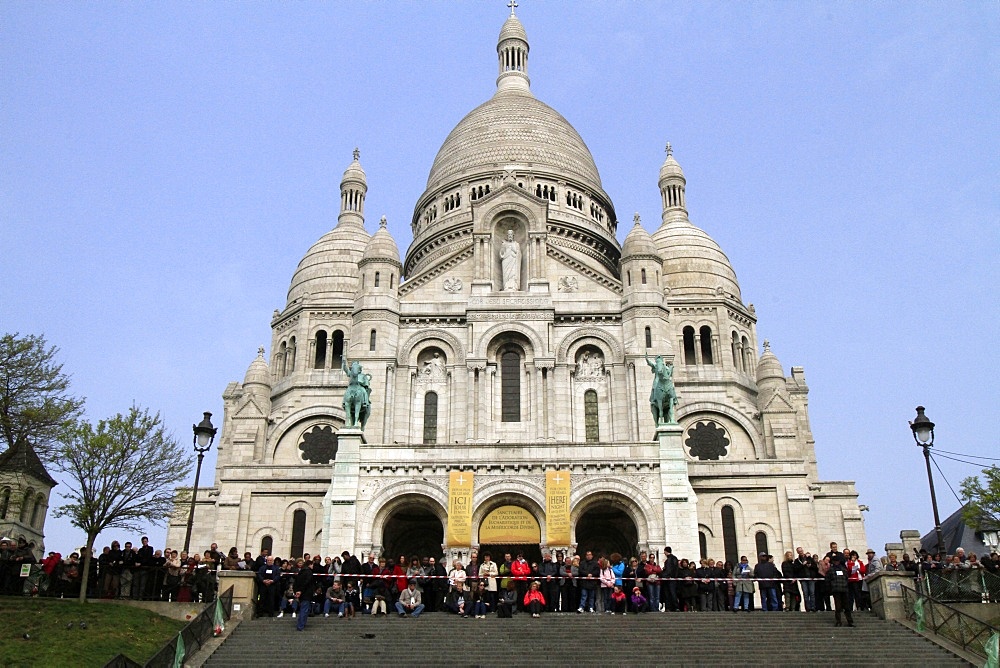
{"points": [[353, 188], [672, 186], [512, 54]]}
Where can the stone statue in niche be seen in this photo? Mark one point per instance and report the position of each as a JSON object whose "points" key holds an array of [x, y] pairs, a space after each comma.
{"points": [[510, 263], [591, 365], [433, 368]]}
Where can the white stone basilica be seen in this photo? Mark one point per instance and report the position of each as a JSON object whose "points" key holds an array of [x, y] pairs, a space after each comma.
{"points": [[510, 343]]}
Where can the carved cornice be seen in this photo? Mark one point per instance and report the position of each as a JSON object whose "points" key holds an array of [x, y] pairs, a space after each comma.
{"points": [[597, 277], [430, 274]]}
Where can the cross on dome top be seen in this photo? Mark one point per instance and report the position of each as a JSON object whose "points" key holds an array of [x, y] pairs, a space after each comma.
{"points": [[260, 351], [767, 346], [636, 219], [512, 4], [670, 150], [357, 153], [382, 222]]}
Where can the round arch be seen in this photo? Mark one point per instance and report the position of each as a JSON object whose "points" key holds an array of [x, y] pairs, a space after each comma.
{"points": [[388, 499], [453, 348], [297, 423], [577, 338], [685, 411], [486, 341]]}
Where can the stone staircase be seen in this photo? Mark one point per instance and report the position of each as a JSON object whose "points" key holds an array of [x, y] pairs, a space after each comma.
{"points": [[674, 639]]}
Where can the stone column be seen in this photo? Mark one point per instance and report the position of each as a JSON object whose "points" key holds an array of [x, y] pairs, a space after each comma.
{"points": [[680, 505], [340, 502]]}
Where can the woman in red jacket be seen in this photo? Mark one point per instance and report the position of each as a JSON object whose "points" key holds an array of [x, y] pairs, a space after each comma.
{"points": [[534, 601], [855, 577]]}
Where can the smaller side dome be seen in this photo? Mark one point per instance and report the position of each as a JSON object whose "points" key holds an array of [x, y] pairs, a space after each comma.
{"points": [[768, 367], [638, 242], [258, 372], [382, 246]]}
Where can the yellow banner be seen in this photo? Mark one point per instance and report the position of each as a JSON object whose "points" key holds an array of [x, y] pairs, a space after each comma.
{"points": [[557, 507], [459, 509], [509, 525]]}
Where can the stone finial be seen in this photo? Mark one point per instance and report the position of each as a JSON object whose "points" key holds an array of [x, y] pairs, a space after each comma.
{"points": [[513, 5], [767, 346], [357, 153], [382, 222], [670, 150], [636, 219], [260, 351]]}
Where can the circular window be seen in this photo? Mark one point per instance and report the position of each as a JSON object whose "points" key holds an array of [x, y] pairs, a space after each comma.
{"points": [[707, 440], [319, 445]]}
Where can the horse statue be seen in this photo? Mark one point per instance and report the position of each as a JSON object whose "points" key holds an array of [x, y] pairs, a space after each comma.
{"points": [[357, 396], [663, 397]]}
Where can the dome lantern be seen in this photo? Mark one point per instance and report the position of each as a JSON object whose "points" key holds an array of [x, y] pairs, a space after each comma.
{"points": [[672, 183], [512, 54], [353, 188]]}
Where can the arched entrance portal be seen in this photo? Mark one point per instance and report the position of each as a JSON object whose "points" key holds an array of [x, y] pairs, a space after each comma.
{"points": [[605, 529], [414, 531], [510, 530]]}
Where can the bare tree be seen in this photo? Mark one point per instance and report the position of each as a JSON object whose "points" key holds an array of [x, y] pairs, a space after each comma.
{"points": [[120, 474], [34, 402]]}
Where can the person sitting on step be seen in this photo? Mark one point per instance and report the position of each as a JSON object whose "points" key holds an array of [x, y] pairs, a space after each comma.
{"points": [[534, 601]]}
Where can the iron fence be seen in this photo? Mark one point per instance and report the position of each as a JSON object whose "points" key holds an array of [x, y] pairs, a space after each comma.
{"points": [[968, 586], [193, 636], [947, 622]]}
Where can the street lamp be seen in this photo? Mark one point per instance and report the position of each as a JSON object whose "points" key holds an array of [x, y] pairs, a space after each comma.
{"points": [[923, 434], [204, 436]]}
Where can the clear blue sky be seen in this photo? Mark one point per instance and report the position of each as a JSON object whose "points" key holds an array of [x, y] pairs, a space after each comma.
{"points": [[164, 166]]}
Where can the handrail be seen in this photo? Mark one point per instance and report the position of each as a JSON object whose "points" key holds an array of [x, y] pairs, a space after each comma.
{"points": [[193, 635], [950, 623]]}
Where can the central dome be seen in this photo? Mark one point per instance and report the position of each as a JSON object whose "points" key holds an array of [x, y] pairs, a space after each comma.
{"points": [[514, 128]]}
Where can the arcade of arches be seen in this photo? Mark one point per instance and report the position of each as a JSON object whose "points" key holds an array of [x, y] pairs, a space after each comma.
{"points": [[604, 528]]}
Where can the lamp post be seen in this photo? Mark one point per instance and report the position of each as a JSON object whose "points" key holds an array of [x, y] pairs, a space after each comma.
{"points": [[923, 434], [204, 436]]}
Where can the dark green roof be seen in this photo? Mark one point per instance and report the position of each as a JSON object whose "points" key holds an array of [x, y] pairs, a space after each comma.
{"points": [[22, 458]]}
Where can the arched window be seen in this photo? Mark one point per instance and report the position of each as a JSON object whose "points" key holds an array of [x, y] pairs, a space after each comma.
{"points": [[689, 356], [703, 544], [320, 361], [4, 503], [737, 358], [510, 387], [37, 510], [628, 275], [747, 355], [729, 535], [371, 341], [649, 338], [705, 334], [282, 358], [590, 422], [338, 349], [431, 417], [761, 541], [298, 533], [26, 505], [392, 277], [376, 279], [643, 274], [290, 367], [266, 543]]}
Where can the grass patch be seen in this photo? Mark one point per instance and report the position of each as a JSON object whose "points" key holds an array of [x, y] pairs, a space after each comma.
{"points": [[111, 629]]}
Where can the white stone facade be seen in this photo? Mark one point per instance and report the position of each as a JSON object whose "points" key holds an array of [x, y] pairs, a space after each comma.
{"points": [[509, 371]]}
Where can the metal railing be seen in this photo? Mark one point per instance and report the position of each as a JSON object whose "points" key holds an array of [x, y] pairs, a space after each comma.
{"points": [[954, 586], [193, 635], [947, 622]]}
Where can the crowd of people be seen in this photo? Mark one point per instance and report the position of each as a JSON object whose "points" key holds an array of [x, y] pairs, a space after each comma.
{"points": [[343, 586]]}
